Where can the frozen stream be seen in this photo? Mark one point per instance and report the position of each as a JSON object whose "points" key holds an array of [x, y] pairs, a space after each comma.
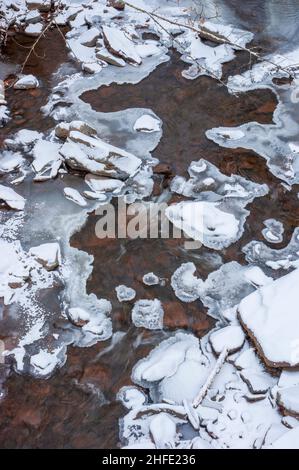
{"points": [[125, 112]]}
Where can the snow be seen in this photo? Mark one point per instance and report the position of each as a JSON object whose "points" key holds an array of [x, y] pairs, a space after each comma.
{"points": [[231, 338], [100, 184], [46, 157], [33, 29], [92, 154], [74, 196], [270, 317], [289, 440], [104, 54], [10, 161], [163, 431], [124, 293], [147, 123], [11, 198], [148, 314], [44, 362], [48, 254], [288, 399], [258, 382], [205, 222], [26, 82], [118, 43]]}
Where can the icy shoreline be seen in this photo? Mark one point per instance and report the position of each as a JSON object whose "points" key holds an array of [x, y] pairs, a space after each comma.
{"points": [[208, 393]]}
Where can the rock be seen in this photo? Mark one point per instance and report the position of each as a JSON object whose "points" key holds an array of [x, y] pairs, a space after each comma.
{"points": [[99, 184], [258, 382], [33, 16], [62, 130], [82, 127], [41, 5], [98, 157], [46, 157], [124, 293], [148, 314], [104, 54], [289, 440], [117, 4], [26, 82], [34, 29], [288, 378], [147, 123], [89, 37], [47, 254], [163, 431], [248, 360], [74, 196], [270, 316], [78, 316], [11, 198], [230, 337], [91, 68], [288, 399], [118, 44]]}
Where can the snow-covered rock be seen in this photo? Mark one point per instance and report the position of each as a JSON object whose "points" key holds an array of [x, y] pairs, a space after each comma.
{"points": [[34, 30], [147, 123], [47, 254], [46, 157], [104, 54], [26, 82], [92, 154], [119, 44], [270, 316], [288, 399], [289, 440], [11, 198], [230, 338], [78, 316], [258, 382], [205, 222], [74, 196]]}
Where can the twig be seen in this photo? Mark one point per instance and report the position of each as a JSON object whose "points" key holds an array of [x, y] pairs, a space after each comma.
{"points": [[216, 369], [206, 34]]}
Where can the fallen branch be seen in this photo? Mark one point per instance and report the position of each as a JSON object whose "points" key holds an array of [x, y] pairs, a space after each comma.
{"points": [[203, 391], [204, 33]]}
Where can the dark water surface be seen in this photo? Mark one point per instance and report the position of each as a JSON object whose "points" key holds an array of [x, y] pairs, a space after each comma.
{"points": [[77, 408]]}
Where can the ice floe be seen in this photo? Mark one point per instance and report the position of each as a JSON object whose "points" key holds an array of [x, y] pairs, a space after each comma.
{"points": [[148, 314]]}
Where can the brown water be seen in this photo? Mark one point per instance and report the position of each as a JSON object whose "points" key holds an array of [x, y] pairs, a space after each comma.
{"points": [[66, 410]]}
